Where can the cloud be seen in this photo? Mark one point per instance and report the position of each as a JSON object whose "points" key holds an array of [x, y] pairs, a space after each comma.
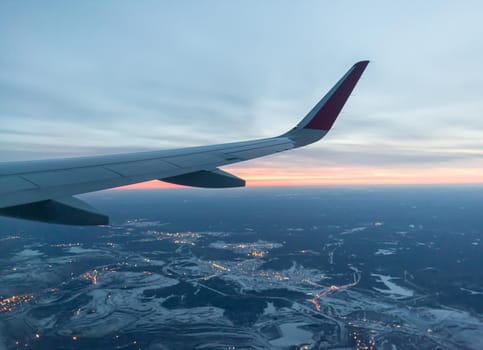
{"points": [[92, 78]]}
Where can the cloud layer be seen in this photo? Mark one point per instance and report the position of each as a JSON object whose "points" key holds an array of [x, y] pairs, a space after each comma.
{"points": [[117, 76]]}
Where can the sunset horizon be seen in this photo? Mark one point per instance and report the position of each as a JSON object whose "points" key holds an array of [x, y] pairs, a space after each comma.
{"points": [[262, 178]]}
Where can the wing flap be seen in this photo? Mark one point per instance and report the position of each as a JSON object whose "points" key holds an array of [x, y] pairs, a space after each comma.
{"points": [[207, 179]]}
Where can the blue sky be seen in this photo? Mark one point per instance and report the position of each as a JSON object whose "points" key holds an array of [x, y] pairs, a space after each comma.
{"points": [[92, 77]]}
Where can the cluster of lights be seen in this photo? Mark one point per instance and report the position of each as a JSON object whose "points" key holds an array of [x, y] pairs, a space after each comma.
{"points": [[91, 276], [330, 290], [257, 254], [361, 344], [177, 237], [220, 267], [247, 248], [9, 304], [254, 245], [182, 234]]}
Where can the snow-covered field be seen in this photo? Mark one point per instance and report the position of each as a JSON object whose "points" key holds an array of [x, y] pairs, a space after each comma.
{"points": [[392, 288]]}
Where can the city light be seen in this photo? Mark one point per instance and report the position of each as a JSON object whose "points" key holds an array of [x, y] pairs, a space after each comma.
{"points": [[9, 304]]}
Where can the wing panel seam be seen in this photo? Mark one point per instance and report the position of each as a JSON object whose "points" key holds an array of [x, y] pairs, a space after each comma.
{"points": [[29, 181], [105, 167]]}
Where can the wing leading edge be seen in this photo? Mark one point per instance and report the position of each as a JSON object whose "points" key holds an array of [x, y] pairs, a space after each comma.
{"points": [[43, 190]]}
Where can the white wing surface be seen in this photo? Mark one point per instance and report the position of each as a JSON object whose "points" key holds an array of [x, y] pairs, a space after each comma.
{"points": [[43, 190]]}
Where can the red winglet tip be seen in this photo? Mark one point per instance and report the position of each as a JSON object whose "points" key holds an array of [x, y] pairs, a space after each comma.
{"points": [[336, 98]]}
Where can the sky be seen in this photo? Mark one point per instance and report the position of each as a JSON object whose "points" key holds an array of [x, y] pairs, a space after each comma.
{"points": [[98, 77]]}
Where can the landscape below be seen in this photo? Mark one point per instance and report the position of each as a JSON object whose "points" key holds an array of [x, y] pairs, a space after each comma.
{"points": [[254, 268]]}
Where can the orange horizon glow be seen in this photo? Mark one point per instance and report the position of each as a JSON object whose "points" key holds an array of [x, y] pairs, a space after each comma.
{"points": [[269, 177]]}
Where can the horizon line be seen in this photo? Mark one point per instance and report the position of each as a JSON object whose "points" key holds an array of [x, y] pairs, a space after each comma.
{"points": [[159, 185]]}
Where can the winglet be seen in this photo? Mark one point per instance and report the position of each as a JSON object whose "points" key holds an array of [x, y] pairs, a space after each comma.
{"points": [[324, 114], [321, 118]]}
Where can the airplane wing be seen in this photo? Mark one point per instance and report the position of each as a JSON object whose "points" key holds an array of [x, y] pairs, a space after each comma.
{"points": [[43, 190]]}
